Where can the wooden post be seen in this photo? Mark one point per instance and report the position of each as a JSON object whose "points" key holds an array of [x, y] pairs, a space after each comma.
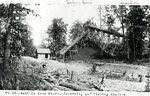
{"points": [[72, 75], [70, 55], [94, 68], [77, 48], [63, 58], [100, 16]]}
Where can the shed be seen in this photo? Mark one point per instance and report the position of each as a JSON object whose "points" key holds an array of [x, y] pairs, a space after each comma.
{"points": [[71, 45], [43, 53]]}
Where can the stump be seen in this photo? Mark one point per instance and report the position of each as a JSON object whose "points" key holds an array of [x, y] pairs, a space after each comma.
{"points": [[95, 64], [74, 76], [94, 68]]}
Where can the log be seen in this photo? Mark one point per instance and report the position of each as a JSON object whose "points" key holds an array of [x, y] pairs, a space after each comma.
{"points": [[75, 87], [99, 64], [56, 86], [47, 83], [62, 88], [96, 87]]}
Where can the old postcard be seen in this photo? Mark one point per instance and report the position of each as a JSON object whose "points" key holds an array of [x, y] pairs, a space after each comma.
{"points": [[75, 47]]}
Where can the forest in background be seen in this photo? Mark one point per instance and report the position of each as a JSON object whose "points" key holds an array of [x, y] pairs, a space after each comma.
{"points": [[16, 41]]}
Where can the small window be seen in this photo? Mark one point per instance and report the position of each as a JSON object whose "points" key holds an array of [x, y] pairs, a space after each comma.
{"points": [[46, 55]]}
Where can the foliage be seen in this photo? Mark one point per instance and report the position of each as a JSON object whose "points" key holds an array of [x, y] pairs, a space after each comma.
{"points": [[11, 38], [108, 18], [115, 13], [44, 43], [76, 30], [15, 14], [130, 26], [120, 12], [136, 34], [27, 43], [57, 35]]}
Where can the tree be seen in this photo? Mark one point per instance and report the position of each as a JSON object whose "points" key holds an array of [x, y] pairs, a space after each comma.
{"points": [[12, 30], [28, 49], [115, 13], [12, 16], [57, 35], [76, 30], [121, 12], [148, 17], [136, 34], [43, 44], [107, 18]]}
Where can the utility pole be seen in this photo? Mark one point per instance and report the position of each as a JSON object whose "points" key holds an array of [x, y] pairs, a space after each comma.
{"points": [[100, 11], [102, 34]]}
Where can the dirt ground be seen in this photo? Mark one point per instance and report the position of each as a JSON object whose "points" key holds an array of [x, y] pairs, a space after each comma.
{"points": [[126, 83], [117, 77]]}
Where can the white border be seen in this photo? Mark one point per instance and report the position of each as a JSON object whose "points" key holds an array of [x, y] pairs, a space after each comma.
{"points": [[99, 2]]}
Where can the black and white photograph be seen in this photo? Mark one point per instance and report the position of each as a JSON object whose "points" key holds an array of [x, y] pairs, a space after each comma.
{"points": [[75, 46]]}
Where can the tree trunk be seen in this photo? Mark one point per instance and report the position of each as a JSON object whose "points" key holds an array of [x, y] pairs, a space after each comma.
{"points": [[125, 49], [7, 50], [149, 44], [7, 36], [55, 86]]}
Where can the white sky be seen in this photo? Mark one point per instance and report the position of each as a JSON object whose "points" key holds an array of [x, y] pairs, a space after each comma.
{"points": [[69, 13], [50, 9]]}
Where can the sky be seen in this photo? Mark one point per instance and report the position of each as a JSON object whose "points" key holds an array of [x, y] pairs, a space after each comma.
{"points": [[50, 9], [69, 13]]}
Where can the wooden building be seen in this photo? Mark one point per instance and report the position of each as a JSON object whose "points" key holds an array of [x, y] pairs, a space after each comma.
{"points": [[43, 53], [73, 49]]}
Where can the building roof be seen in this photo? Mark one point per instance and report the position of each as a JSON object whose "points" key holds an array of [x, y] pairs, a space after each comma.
{"points": [[43, 51], [66, 48], [112, 32]]}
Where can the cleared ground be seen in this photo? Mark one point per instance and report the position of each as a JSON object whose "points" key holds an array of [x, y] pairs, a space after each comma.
{"points": [[129, 82], [117, 77]]}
